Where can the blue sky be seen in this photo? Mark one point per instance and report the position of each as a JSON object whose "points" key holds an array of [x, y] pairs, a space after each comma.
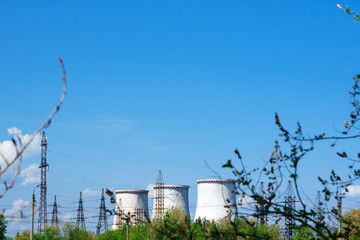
{"points": [[169, 84]]}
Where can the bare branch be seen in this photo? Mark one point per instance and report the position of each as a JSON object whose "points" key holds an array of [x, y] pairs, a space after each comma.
{"points": [[20, 149]]}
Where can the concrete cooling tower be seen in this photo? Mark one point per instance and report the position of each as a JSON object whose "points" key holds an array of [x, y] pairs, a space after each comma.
{"points": [[173, 196], [213, 197], [134, 202]]}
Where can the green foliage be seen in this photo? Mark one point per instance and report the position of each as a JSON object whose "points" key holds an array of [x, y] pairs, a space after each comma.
{"points": [[352, 221], [72, 231], [113, 235], [39, 236], [304, 233], [172, 226], [246, 229], [3, 223], [352, 13], [52, 232], [25, 235], [177, 225]]}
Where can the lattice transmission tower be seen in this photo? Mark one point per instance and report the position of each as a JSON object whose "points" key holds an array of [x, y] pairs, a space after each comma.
{"points": [[80, 220], [260, 208], [55, 217], [289, 207], [42, 222], [139, 211], [159, 196], [102, 223]]}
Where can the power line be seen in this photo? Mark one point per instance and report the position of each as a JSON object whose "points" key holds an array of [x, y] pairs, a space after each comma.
{"points": [[111, 149], [102, 165], [82, 179]]}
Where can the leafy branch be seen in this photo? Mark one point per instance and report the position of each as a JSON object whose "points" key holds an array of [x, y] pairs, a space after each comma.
{"points": [[352, 13]]}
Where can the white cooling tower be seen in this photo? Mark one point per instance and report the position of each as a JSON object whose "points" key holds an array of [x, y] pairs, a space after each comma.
{"points": [[215, 199], [134, 202], [174, 196]]}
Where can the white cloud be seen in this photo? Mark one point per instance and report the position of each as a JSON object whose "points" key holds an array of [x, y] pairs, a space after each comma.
{"points": [[88, 192], [18, 206], [30, 175], [14, 131], [150, 188], [68, 218], [8, 149], [354, 191]]}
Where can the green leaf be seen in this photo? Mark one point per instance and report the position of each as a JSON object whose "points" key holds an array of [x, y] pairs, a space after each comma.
{"points": [[228, 164]]}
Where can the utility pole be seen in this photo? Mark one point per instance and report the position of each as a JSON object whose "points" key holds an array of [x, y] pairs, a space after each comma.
{"points": [[119, 213], [290, 206], [127, 218], [80, 220], [159, 196], [43, 166], [339, 207], [32, 214], [102, 215]]}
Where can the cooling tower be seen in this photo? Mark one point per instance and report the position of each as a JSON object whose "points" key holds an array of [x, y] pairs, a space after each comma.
{"points": [[173, 196], [215, 199], [134, 202]]}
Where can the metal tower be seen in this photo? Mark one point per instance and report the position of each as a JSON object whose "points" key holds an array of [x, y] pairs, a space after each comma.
{"points": [[55, 217], [119, 214], [43, 166], [102, 223], [80, 220], [289, 207], [159, 196], [260, 208], [139, 211]]}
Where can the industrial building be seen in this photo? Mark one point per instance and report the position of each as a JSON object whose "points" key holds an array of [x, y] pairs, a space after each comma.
{"points": [[216, 199], [173, 196], [132, 205]]}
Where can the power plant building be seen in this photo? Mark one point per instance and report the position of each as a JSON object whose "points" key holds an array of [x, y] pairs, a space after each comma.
{"points": [[173, 196], [216, 199], [132, 203]]}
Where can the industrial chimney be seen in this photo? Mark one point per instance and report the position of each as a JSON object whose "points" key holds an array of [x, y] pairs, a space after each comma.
{"points": [[216, 199]]}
